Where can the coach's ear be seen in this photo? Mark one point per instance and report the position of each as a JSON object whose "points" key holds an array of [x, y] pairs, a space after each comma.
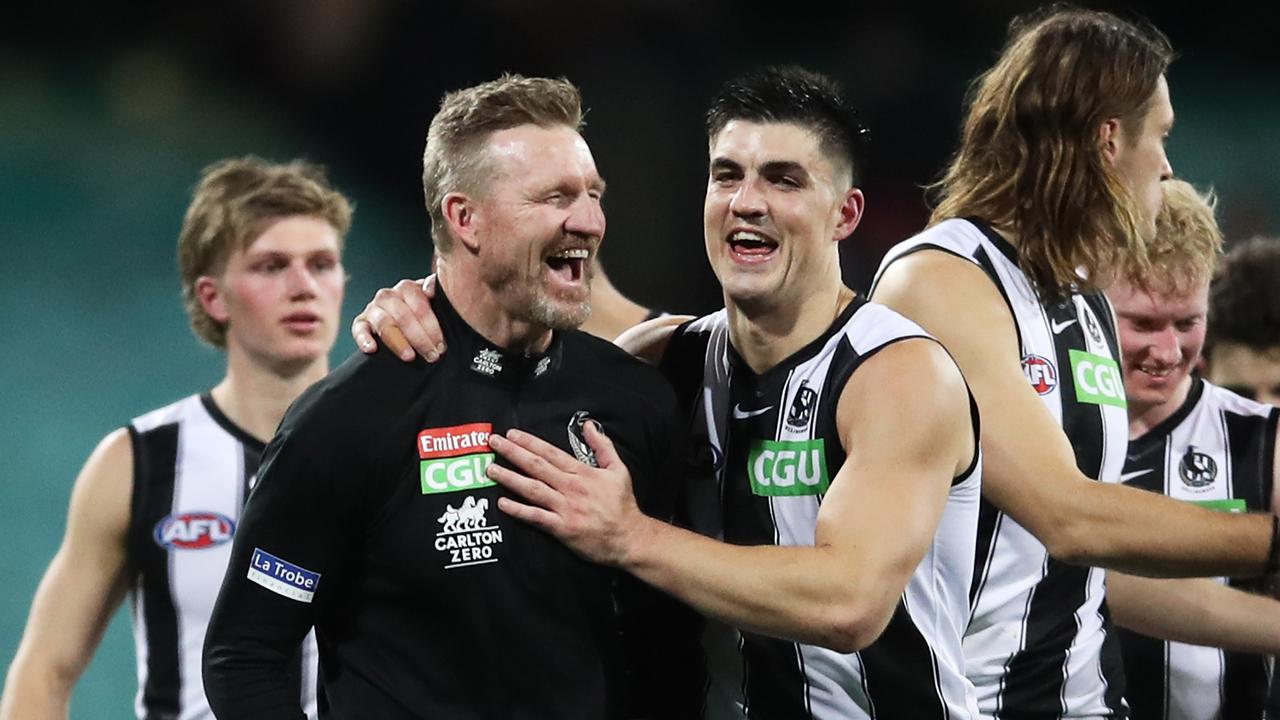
{"points": [[460, 214], [209, 293]]}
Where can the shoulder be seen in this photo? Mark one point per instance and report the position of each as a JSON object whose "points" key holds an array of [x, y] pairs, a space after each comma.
{"points": [[874, 325], [351, 401], [174, 412], [602, 363], [956, 237], [1221, 398]]}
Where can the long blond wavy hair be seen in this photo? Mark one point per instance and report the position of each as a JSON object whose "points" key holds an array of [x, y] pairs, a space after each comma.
{"points": [[1030, 160]]}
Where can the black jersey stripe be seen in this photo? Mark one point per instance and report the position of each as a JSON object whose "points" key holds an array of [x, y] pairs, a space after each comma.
{"points": [[1111, 666], [989, 519], [894, 670], [155, 454], [1252, 445], [1244, 685], [1146, 675]]}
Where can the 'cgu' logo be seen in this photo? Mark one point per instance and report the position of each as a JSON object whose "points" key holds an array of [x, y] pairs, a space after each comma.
{"points": [[782, 468], [194, 531]]}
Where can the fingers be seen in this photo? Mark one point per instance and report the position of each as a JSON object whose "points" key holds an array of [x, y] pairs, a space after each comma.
{"points": [[535, 516], [606, 453], [403, 318], [533, 465], [535, 455], [363, 335], [421, 327], [536, 492]]}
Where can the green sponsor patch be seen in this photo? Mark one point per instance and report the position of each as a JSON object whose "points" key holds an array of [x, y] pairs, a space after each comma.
{"points": [[465, 472], [1235, 505], [1097, 379], [787, 468]]}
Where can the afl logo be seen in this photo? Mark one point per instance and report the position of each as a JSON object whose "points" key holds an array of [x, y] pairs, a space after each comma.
{"points": [[1196, 469], [1041, 373], [194, 531]]}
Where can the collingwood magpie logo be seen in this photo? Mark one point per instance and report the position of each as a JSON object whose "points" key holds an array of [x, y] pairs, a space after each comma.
{"points": [[1091, 323], [1196, 469], [578, 438], [801, 410]]}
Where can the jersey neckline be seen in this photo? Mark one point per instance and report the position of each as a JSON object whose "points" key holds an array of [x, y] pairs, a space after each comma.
{"points": [[808, 351], [1166, 426], [488, 359], [226, 423]]}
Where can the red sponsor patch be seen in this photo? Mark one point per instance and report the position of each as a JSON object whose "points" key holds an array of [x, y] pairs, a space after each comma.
{"points": [[455, 440]]}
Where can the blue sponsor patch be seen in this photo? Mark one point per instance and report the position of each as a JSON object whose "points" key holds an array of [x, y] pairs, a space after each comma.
{"points": [[283, 577]]}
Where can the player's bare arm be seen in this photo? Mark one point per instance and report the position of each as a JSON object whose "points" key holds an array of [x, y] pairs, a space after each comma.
{"points": [[875, 524], [1029, 469], [1199, 611], [648, 340], [84, 585]]}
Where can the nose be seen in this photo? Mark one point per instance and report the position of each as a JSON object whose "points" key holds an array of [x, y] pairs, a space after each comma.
{"points": [[1166, 171], [747, 200], [1166, 348], [586, 218], [301, 281]]}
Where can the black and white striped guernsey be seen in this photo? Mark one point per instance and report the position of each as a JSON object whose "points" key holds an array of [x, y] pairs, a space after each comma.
{"points": [[1217, 450], [193, 469], [1039, 643], [768, 449]]}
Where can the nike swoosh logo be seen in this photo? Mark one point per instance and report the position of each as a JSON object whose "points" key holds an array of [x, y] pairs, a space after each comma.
{"points": [[1059, 327], [740, 414], [1126, 477]]}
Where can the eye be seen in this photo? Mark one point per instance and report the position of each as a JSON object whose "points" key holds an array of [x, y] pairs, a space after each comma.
{"points": [[1187, 325], [323, 263], [723, 177], [270, 266]]}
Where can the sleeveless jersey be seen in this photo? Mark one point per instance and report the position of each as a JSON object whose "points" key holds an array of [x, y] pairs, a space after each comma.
{"points": [[1216, 450], [1039, 643], [769, 448], [193, 469]]}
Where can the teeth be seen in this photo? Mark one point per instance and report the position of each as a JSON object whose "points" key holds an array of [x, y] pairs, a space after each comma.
{"points": [[746, 236], [573, 254]]}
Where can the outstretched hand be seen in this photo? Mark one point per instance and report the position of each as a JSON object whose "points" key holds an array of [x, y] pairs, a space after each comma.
{"points": [[590, 509], [403, 318]]}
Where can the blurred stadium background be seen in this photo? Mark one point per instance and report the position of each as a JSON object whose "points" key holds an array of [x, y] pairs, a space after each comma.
{"points": [[108, 112]]}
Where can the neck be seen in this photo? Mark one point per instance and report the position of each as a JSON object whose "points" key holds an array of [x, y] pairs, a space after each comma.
{"points": [[256, 397], [1144, 416], [481, 309], [765, 336]]}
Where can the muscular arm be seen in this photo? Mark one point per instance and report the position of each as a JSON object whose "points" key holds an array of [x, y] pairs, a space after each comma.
{"points": [[875, 524], [82, 588], [1029, 470], [1197, 611]]}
